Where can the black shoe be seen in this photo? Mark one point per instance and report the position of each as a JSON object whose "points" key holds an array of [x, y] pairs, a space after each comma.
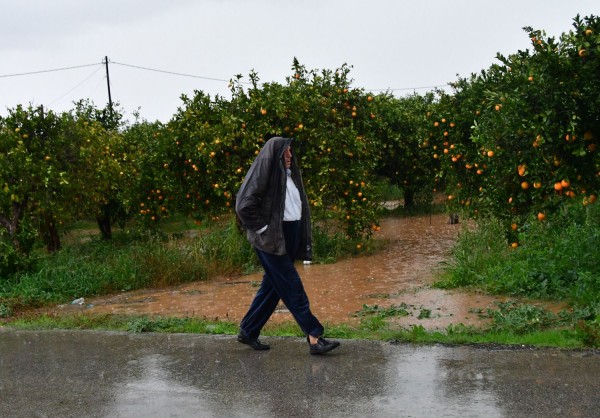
{"points": [[253, 343], [322, 346]]}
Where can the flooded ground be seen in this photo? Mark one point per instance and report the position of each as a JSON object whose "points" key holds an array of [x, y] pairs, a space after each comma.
{"points": [[400, 275]]}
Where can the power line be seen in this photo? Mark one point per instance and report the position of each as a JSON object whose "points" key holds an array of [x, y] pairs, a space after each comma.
{"points": [[171, 72], [47, 71], [410, 88], [79, 84], [139, 67]]}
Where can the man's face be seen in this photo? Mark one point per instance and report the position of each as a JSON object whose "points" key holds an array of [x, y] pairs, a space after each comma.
{"points": [[287, 157]]}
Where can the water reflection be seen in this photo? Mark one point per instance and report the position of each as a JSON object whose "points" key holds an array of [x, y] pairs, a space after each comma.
{"points": [[422, 382], [150, 391], [237, 382]]}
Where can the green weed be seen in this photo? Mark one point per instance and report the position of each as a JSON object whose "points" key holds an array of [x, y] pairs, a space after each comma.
{"points": [[557, 260]]}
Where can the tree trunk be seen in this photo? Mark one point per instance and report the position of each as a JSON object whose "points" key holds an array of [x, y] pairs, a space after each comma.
{"points": [[13, 224], [409, 198], [104, 223], [50, 234]]}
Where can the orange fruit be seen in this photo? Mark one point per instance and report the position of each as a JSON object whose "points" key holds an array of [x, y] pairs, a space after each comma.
{"points": [[514, 227], [521, 169], [565, 184], [592, 198], [541, 216], [524, 185], [558, 186], [514, 245], [490, 153], [537, 184]]}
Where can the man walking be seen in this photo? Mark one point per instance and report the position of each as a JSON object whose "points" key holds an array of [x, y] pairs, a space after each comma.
{"points": [[273, 209]]}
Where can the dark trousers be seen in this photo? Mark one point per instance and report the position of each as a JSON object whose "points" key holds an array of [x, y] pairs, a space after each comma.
{"points": [[281, 281]]}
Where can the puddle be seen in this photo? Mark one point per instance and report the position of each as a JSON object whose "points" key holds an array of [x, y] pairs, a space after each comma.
{"points": [[402, 274]]}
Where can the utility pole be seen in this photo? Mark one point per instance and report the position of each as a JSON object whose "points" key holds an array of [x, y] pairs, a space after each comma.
{"points": [[108, 84]]}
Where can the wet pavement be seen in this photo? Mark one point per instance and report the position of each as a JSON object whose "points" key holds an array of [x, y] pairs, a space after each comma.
{"points": [[109, 374]]}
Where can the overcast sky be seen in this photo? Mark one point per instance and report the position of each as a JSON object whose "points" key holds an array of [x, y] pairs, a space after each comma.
{"points": [[390, 44]]}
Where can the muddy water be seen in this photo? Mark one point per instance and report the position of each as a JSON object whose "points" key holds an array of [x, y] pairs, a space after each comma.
{"points": [[402, 274]]}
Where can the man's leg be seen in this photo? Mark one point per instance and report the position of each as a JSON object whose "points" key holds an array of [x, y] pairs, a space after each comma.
{"points": [[285, 280], [262, 307]]}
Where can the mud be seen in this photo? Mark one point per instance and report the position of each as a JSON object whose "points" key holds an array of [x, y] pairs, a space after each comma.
{"points": [[399, 276]]}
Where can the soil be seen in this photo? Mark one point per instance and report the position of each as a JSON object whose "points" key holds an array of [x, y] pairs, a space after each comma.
{"points": [[401, 275]]}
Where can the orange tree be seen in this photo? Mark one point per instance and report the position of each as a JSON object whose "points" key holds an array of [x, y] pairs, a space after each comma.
{"points": [[111, 161], [149, 193], [534, 128], [460, 169], [189, 164], [212, 143], [48, 171]]}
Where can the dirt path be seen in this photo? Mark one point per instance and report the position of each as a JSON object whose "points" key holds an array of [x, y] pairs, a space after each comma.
{"points": [[402, 274]]}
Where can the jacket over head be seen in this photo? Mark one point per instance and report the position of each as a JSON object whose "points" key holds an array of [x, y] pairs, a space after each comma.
{"points": [[261, 198]]}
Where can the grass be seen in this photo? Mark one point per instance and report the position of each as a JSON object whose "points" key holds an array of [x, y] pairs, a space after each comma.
{"points": [[457, 334]]}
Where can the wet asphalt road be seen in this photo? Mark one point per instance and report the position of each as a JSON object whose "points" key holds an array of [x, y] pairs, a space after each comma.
{"points": [[108, 374]]}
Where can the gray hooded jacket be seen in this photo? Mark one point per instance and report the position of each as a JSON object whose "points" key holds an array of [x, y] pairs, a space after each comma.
{"points": [[261, 199]]}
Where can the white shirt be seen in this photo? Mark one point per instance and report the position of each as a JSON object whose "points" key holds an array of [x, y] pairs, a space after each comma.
{"points": [[293, 204]]}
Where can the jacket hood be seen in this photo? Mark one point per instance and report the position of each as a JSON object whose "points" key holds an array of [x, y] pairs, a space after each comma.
{"points": [[274, 147]]}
